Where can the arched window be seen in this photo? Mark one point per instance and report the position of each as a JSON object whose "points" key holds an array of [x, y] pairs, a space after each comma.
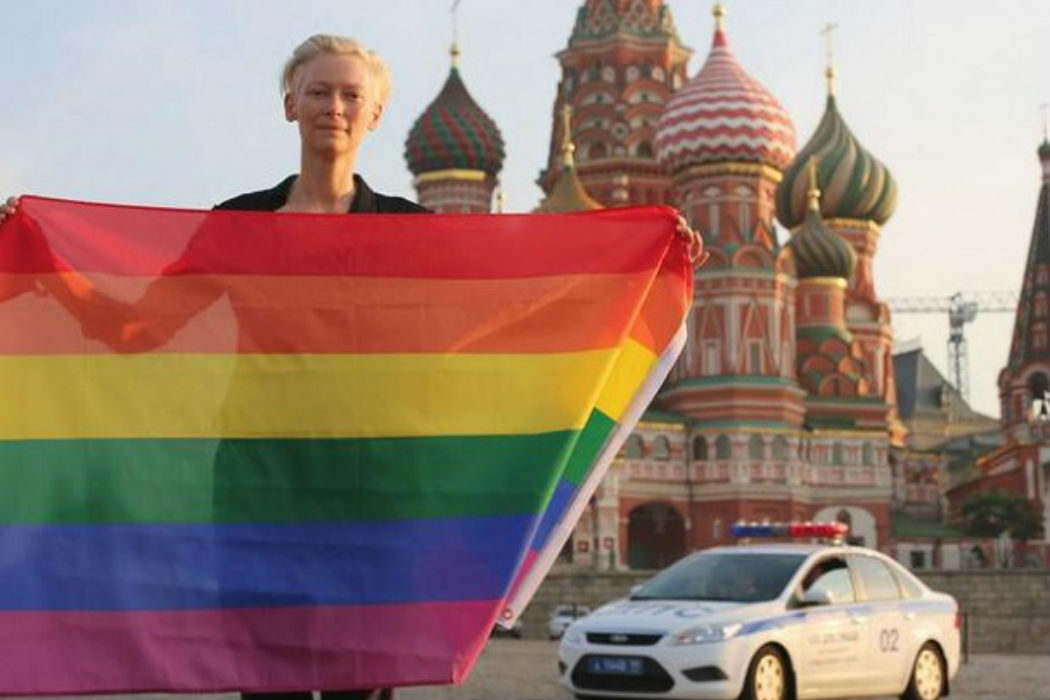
{"points": [[780, 447], [722, 447], [755, 447], [700, 447], [661, 448], [837, 453], [867, 453], [1039, 390], [644, 150], [598, 150], [745, 221], [714, 221], [634, 449]]}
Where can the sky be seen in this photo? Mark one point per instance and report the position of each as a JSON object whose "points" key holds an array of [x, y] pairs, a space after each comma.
{"points": [[176, 103]]}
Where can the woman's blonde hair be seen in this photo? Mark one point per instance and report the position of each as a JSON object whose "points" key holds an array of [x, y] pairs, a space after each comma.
{"points": [[341, 46]]}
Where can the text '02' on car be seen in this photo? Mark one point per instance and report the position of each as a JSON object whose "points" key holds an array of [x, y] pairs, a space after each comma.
{"points": [[769, 622]]}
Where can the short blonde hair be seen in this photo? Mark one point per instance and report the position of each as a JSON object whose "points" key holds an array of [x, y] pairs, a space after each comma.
{"points": [[341, 46]]}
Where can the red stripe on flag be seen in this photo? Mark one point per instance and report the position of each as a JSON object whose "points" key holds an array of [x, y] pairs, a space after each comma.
{"points": [[255, 649]]}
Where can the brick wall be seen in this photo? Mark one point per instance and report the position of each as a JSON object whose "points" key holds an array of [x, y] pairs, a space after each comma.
{"points": [[1008, 610]]}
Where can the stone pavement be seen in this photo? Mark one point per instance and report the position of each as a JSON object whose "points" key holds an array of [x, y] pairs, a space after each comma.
{"points": [[513, 669]]}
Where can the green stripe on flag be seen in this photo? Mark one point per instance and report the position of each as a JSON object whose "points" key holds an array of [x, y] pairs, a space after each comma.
{"points": [[275, 480]]}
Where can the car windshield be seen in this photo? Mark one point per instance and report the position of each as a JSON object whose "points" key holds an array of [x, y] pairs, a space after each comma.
{"points": [[723, 576]]}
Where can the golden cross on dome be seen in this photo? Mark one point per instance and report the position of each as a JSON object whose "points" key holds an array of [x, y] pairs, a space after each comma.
{"points": [[720, 15], [828, 31], [1045, 109], [454, 50]]}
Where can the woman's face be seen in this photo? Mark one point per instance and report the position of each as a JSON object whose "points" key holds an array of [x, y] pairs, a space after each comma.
{"points": [[333, 101]]}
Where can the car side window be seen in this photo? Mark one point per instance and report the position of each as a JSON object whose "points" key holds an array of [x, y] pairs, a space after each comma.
{"points": [[878, 581], [833, 576], [908, 585]]}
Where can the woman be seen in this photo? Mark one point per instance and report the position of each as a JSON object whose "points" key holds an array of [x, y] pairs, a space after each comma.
{"points": [[335, 90]]}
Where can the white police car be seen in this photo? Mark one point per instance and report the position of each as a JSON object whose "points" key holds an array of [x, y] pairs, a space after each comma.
{"points": [[769, 622]]}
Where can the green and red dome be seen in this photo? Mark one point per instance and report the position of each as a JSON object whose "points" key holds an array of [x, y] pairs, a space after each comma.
{"points": [[819, 251], [454, 133], [855, 185]]}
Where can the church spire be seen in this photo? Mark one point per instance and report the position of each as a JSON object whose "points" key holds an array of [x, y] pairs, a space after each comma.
{"points": [[568, 193], [1032, 325]]}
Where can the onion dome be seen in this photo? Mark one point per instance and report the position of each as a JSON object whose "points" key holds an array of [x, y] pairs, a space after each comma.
{"points": [[568, 193], [819, 251], [601, 19], [724, 115], [454, 133], [854, 183]]}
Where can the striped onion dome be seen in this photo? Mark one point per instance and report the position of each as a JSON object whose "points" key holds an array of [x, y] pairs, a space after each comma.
{"points": [[854, 183], [724, 115], [819, 251], [454, 133]]}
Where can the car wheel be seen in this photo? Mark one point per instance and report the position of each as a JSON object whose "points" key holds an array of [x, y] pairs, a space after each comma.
{"points": [[767, 676], [927, 675]]}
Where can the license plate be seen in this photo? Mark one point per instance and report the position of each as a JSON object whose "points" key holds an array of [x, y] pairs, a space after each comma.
{"points": [[616, 665]]}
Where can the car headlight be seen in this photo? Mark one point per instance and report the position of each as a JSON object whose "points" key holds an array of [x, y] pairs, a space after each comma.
{"points": [[573, 635], [705, 634]]}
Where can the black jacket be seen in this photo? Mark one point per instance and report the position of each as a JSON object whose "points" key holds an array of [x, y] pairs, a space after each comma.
{"points": [[365, 200]]}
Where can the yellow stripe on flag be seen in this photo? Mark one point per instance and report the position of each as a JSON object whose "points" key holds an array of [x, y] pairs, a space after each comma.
{"points": [[273, 395], [630, 370]]}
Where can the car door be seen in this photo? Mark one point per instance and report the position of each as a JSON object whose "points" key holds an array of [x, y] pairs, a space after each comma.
{"points": [[889, 642], [830, 636]]}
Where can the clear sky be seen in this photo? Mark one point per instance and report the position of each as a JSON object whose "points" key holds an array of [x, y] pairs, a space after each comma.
{"points": [[175, 102]]}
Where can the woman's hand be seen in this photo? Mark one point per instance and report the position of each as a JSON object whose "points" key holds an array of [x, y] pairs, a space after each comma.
{"points": [[8, 208], [697, 255]]}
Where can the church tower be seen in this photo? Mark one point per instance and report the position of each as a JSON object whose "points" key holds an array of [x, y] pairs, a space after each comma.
{"points": [[1025, 381], [858, 195], [829, 361], [623, 61], [1021, 466], [455, 150], [725, 138]]}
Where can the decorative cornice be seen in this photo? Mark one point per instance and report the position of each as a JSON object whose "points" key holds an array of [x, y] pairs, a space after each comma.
{"points": [[452, 174], [834, 282], [728, 168], [842, 222]]}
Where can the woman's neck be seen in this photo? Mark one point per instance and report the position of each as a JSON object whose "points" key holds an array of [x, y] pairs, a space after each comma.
{"points": [[323, 186]]}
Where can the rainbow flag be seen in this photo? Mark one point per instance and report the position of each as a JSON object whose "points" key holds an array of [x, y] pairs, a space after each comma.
{"points": [[256, 451]]}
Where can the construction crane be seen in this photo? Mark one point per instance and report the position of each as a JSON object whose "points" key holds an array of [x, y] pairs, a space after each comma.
{"points": [[962, 308]]}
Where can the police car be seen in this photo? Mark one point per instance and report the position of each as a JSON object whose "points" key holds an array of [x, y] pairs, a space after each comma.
{"points": [[769, 622]]}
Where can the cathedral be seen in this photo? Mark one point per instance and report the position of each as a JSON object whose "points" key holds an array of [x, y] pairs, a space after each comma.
{"points": [[784, 403]]}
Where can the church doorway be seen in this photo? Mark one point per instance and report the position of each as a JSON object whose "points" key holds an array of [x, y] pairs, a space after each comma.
{"points": [[655, 536]]}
